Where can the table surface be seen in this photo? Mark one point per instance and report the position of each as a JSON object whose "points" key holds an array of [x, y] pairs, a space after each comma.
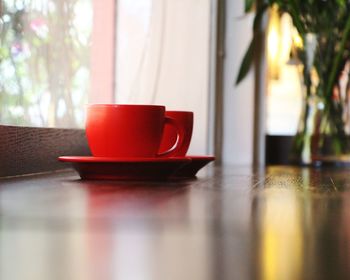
{"points": [[229, 223]]}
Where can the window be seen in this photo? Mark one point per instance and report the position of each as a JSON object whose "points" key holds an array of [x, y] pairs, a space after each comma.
{"points": [[48, 55], [55, 57]]}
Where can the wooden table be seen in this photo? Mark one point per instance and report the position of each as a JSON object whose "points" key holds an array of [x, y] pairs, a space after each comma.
{"points": [[230, 223]]}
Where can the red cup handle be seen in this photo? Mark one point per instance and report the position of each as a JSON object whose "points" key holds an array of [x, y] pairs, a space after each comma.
{"points": [[179, 139]]}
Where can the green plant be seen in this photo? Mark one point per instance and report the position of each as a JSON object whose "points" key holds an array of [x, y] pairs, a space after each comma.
{"points": [[330, 18], [324, 27]]}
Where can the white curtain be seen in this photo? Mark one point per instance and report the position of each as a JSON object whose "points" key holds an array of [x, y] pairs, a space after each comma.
{"points": [[163, 58]]}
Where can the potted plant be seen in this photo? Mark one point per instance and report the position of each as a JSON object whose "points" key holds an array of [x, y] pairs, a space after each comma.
{"points": [[323, 61]]}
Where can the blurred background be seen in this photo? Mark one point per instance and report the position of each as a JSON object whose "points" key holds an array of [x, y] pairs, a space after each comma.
{"points": [[58, 56]]}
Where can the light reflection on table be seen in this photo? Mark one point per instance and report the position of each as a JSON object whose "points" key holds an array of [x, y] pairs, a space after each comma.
{"points": [[230, 223]]}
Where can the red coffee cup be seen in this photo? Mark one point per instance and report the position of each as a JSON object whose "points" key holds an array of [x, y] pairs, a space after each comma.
{"points": [[126, 131], [185, 120]]}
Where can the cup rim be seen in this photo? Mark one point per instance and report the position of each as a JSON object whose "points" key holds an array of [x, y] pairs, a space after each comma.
{"points": [[110, 105], [179, 111]]}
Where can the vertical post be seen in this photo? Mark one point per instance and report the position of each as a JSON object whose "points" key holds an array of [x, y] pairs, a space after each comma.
{"points": [[260, 91], [216, 80]]}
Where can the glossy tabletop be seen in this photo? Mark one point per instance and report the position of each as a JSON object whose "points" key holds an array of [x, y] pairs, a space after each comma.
{"points": [[229, 223]]}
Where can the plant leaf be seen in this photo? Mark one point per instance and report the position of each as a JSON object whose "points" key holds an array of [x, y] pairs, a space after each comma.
{"points": [[337, 59], [341, 3], [258, 17], [248, 5], [249, 55], [246, 62], [294, 12]]}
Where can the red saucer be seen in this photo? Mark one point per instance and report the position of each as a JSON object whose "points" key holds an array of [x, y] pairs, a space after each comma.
{"points": [[190, 170], [105, 168]]}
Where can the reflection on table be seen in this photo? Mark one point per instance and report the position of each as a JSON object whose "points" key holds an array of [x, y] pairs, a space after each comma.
{"points": [[229, 223]]}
